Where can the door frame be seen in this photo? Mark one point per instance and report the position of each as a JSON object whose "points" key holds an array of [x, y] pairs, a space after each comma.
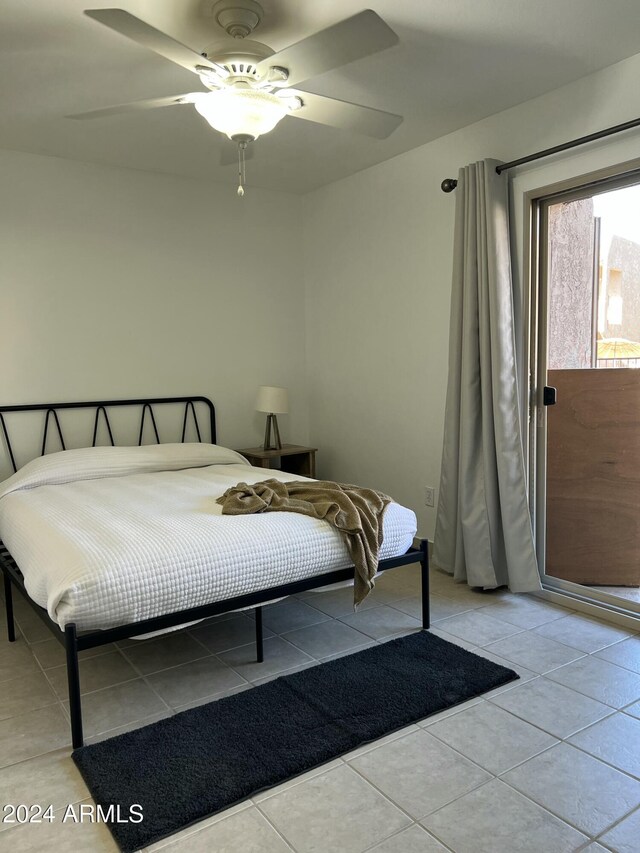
{"points": [[535, 329]]}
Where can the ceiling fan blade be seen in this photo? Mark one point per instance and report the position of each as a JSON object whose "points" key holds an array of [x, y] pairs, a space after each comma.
{"points": [[229, 155], [342, 114], [134, 106], [142, 33], [351, 39]]}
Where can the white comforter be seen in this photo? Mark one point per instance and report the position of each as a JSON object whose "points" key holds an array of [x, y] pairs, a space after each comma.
{"points": [[109, 536]]}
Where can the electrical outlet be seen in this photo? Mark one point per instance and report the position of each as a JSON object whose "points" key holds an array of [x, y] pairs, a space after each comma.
{"points": [[429, 495]]}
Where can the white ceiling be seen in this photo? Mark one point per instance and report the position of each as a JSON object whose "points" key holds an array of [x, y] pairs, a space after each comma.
{"points": [[457, 61]]}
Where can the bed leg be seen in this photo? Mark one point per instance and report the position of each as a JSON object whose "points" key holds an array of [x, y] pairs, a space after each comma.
{"points": [[8, 606], [259, 643], [73, 677], [424, 572]]}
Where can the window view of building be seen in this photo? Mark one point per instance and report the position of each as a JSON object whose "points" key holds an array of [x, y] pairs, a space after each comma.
{"points": [[594, 281]]}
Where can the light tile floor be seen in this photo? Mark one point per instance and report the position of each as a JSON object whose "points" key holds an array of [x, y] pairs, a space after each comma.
{"points": [[548, 764]]}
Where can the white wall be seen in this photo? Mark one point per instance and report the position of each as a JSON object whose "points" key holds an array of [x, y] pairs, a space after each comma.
{"points": [[118, 284], [378, 273]]}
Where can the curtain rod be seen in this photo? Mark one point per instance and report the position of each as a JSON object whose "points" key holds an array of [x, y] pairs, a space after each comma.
{"points": [[449, 184]]}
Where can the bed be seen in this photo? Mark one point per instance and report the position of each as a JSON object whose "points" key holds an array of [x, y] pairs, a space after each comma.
{"points": [[109, 542]]}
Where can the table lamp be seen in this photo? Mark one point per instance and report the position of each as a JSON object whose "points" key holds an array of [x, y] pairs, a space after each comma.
{"points": [[274, 401]]}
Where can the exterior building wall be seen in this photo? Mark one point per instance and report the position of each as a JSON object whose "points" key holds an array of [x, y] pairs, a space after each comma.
{"points": [[624, 255], [570, 289]]}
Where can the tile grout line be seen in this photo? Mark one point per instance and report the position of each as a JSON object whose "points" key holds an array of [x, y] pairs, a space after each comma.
{"points": [[274, 827], [59, 702], [148, 684], [124, 653], [619, 665], [576, 690], [401, 808], [591, 836], [546, 731], [467, 758], [405, 829], [367, 781], [635, 809], [597, 757], [276, 674], [583, 653], [558, 739], [441, 808]]}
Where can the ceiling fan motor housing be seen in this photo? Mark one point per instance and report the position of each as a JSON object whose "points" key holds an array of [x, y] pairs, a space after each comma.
{"points": [[240, 61], [238, 18]]}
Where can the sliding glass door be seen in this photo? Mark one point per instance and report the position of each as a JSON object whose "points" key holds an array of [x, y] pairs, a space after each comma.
{"points": [[587, 424]]}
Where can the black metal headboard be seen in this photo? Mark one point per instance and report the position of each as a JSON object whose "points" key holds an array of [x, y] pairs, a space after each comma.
{"points": [[102, 408]]}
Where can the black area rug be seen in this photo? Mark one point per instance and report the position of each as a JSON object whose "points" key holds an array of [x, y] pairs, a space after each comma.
{"points": [[189, 766]]}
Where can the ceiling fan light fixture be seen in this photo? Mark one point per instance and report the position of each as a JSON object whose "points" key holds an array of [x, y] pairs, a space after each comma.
{"points": [[242, 74], [241, 112]]}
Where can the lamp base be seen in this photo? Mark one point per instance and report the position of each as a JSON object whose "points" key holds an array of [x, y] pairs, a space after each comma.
{"points": [[272, 423]]}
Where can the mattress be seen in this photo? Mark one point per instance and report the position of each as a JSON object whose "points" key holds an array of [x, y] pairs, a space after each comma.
{"points": [[110, 536]]}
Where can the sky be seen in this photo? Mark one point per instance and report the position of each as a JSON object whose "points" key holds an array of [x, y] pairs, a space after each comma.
{"points": [[619, 213]]}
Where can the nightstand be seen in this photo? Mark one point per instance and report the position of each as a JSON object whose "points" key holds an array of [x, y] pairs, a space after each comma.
{"points": [[294, 459]]}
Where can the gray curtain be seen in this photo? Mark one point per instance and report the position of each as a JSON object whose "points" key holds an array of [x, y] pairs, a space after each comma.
{"points": [[483, 528]]}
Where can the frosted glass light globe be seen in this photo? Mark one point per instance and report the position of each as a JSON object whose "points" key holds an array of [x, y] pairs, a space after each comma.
{"points": [[241, 112]]}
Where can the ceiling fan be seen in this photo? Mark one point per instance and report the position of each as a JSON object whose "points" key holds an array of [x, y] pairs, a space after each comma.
{"points": [[250, 85]]}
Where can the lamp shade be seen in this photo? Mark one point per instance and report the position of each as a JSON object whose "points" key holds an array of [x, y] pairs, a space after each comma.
{"points": [[273, 400]]}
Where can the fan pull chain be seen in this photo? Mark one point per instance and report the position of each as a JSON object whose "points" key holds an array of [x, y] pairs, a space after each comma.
{"points": [[241, 168]]}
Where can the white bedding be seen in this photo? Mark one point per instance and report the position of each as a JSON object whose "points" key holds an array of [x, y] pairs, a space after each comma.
{"points": [[109, 536]]}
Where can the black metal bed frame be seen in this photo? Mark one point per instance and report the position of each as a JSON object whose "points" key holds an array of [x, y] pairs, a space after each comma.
{"points": [[75, 641]]}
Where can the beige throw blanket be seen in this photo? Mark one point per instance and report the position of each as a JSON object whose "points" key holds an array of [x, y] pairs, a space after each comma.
{"points": [[355, 512]]}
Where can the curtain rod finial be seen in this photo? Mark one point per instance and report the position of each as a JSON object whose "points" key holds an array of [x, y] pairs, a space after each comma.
{"points": [[448, 185]]}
